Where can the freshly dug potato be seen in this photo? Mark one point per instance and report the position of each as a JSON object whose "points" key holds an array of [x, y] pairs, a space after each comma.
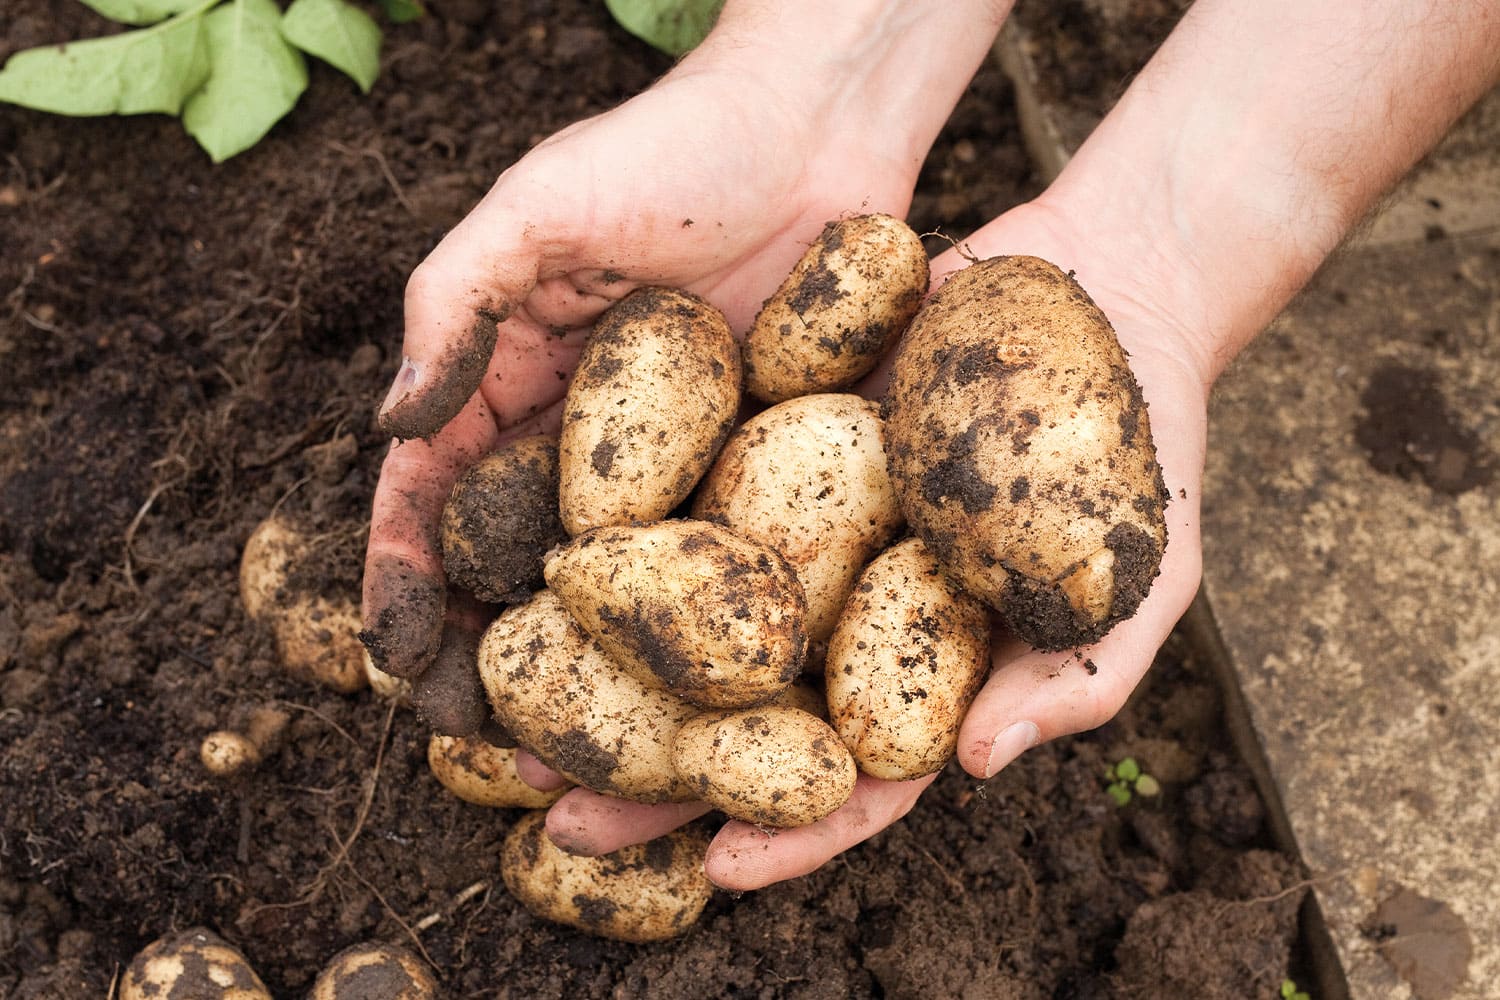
{"points": [[772, 765], [484, 775], [1020, 448], [192, 963], [909, 653], [374, 971], [803, 695], [845, 302], [560, 695], [655, 394], [501, 519], [645, 892], [715, 617], [317, 637], [808, 478]]}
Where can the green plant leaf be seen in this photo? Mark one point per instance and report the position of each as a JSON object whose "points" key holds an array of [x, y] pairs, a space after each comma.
{"points": [[337, 33], [402, 11], [1127, 769], [1120, 793], [139, 11], [256, 78], [1147, 786], [132, 73], [674, 26]]}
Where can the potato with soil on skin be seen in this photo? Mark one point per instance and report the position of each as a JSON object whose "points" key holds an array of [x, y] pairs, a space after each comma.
{"points": [[559, 694], [316, 637], [645, 892], [484, 775], [501, 519], [845, 302], [715, 617], [193, 963], [773, 766], [374, 971], [907, 658], [655, 394], [1020, 447], [808, 478]]}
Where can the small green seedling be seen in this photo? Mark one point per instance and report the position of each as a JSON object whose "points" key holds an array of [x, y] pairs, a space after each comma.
{"points": [[1289, 991], [229, 68], [1126, 780]]}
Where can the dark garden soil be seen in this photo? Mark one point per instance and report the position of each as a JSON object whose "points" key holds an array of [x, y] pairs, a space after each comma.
{"points": [[185, 347]]}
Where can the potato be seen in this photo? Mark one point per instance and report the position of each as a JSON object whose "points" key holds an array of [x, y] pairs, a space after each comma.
{"points": [[483, 775], [501, 519], [802, 695], [645, 892], [808, 478], [773, 765], [558, 693], [716, 618], [192, 963], [655, 394], [1021, 451], [910, 652], [845, 302], [317, 637], [374, 971]]}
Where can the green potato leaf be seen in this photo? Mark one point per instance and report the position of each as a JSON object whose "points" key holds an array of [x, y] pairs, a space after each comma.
{"points": [[132, 73], [256, 78], [402, 11], [674, 26], [342, 35], [140, 11]]}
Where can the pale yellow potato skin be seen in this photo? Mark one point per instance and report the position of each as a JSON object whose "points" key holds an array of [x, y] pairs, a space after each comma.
{"points": [[1021, 450], [808, 478], [844, 303], [192, 963], [717, 618], [645, 892], [654, 396], [373, 970], [772, 765], [559, 694], [484, 775], [906, 660]]}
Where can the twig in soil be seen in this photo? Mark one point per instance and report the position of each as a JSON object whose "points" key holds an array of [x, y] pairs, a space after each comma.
{"points": [[397, 917], [1297, 886], [364, 809], [114, 984], [453, 904], [135, 523], [953, 883], [385, 169], [320, 717]]}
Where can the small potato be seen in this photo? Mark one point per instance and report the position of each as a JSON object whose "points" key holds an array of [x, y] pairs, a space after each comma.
{"points": [[193, 963], [808, 478], [1022, 454], [560, 695], [909, 653], [716, 618], [655, 394], [374, 971], [845, 302], [772, 765], [484, 775], [501, 519], [645, 892]]}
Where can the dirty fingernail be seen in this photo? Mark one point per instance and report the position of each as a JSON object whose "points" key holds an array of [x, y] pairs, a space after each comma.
{"points": [[1010, 744], [406, 381], [403, 617], [449, 696]]}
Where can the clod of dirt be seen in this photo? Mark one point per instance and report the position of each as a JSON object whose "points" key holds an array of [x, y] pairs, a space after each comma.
{"points": [[1410, 431], [1425, 941]]}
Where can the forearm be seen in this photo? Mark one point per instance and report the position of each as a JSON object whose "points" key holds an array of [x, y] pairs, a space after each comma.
{"points": [[1259, 135]]}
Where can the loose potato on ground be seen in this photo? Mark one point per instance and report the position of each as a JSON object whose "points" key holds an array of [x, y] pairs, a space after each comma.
{"points": [[845, 302], [808, 478], [715, 617], [645, 892], [558, 693], [772, 765], [909, 653], [193, 963], [1020, 448], [501, 519], [655, 394], [484, 775], [374, 971]]}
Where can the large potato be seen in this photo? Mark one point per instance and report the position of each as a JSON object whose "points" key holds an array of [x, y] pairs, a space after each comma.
{"points": [[808, 478], [905, 661], [773, 765], [845, 302], [1020, 447], [645, 892], [558, 693], [716, 618], [484, 775], [192, 963], [655, 394]]}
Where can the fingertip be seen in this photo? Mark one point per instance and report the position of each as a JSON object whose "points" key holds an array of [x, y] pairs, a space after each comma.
{"points": [[429, 391], [402, 619], [538, 775]]}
